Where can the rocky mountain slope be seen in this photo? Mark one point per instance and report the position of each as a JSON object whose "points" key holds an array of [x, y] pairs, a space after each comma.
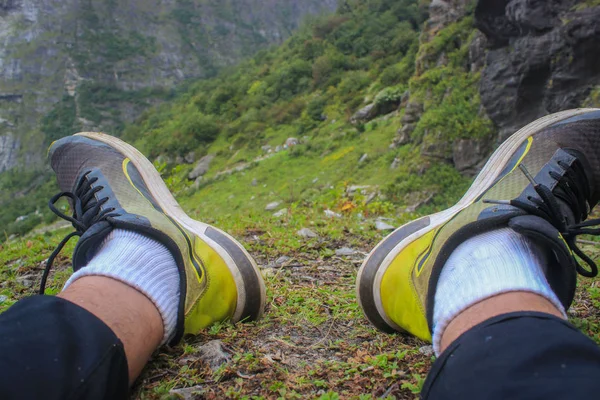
{"points": [[476, 73], [96, 64], [386, 105]]}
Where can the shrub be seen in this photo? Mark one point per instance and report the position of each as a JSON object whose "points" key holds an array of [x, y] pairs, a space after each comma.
{"points": [[61, 121], [389, 95], [315, 107], [327, 68], [353, 82]]}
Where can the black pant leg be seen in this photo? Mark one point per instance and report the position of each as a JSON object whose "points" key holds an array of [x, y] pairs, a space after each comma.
{"points": [[517, 356], [52, 349]]}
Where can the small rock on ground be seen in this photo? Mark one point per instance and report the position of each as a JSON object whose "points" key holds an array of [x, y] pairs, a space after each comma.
{"points": [[189, 393], [272, 206], [26, 280], [332, 214], [383, 226], [213, 354], [345, 251], [426, 350], [281, 213], [351, 190], [291, 142], [307, 233], [3, 298], [282, 260]]}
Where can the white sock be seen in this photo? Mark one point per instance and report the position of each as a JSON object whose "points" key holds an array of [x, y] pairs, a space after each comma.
{"points": [[142, 263], [484, 266]]}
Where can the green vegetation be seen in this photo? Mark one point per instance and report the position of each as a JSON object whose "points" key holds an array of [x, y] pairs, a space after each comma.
{"points": [[449, 92], [61, 121], [99, 43], [313, 341], [593, 100], [102, 104], [308, 88], [24, 197], [586, 4], [325, 69]]}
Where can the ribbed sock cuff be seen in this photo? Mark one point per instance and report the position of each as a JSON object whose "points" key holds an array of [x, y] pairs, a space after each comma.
{"points": [[142, 263], [484, 266]]}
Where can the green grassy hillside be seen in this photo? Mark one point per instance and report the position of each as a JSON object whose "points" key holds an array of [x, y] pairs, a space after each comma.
{"points": [[308, 89]]}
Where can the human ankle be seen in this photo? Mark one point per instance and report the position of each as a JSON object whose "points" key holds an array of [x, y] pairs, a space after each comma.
{"points": [[484, 266], [142, 263], [493, 306]]}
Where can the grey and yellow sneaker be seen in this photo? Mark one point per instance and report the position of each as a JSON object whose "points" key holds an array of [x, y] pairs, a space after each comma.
{"points": [[112, 185], [542, 182]]}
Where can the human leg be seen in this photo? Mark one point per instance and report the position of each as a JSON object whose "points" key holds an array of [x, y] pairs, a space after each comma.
{"points": [[505, 303], [132, 316], [519, 355], [500, 331], [51, 348], [90, 341]]}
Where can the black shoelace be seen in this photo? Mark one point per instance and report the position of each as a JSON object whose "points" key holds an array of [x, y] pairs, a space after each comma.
{"points": [[573, 188], [86, 212]]}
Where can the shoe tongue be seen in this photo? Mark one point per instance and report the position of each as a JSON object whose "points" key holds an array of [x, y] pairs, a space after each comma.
{"points": [[87, 246], [560, 271]]}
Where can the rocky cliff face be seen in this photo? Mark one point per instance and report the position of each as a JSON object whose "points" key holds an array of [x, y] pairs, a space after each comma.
{"points": [[95, 64], [528, 58], [8, 152], [543, 57]]}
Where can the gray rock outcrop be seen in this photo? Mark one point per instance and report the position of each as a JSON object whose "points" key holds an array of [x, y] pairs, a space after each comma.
{"points": [[411, 116], [381, 225], [291, 141], [9, 148], [214, 354], [543, 58], [364, 114], [469, 154], [345, 251], [444, 12], [281, 213], [201, 167]]}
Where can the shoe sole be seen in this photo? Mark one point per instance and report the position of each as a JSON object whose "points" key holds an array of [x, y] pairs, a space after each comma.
{"points": [[370, 274], [242, 266]]}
